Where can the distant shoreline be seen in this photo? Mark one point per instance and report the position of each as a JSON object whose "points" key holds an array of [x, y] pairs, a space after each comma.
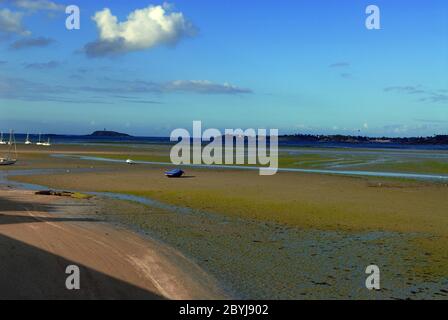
{"points": [[432, 140], [300, 140]]}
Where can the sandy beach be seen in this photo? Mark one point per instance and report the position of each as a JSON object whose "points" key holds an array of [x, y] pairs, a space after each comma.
{"points": [[42, 235]]}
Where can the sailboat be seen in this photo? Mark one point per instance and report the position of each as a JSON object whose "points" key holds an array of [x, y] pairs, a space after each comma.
{"points": [[47, 144], [1, 138], [27, 141], [9, 160], [10, 140], [39, 143]]}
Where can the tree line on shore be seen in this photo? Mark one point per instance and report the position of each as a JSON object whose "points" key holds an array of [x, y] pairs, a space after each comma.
{"points": [[436, 139]]}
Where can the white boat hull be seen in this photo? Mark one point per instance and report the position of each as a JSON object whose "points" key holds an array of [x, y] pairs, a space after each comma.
{"points": [[6, 162]]}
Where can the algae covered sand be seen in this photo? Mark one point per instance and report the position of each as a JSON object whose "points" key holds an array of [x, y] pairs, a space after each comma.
{"points": [[303, 200], [264, 260]]}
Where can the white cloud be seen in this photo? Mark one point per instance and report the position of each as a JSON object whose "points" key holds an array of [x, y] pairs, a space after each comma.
{"points": [[111, 91], [203, 86], [143, 29], [401, 129], [176, 86], [38, 5], [426, 94], [11, 22], [365, 126], [31, 42]]}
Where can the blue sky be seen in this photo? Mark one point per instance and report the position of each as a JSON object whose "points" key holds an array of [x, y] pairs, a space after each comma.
{"points": [[308, 66]]}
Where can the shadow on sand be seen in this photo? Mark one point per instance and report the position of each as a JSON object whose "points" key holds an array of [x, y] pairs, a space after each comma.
{"points": [[28, 272]]}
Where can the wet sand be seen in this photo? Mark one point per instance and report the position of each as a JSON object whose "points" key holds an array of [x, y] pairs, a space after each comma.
{"points": [[41, 235]]}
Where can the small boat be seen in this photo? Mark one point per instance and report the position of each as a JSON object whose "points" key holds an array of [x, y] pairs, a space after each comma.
{"points": [[175, 173], [39, 143], [10, 139], [1, 139], [8, 160], [129, 161], [27, 141], [47, 144]]}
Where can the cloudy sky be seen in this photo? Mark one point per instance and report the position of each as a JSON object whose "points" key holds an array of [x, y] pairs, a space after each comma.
{"points": [[148, 67]]}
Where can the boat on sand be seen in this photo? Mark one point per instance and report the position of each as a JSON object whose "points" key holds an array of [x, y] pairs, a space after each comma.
{"points": [[46, 144], [28, 141], [11, 157], [1, 139], [175, 173]]}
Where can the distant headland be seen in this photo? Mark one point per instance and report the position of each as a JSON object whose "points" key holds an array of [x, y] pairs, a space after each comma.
{"points": [[106, 133]]}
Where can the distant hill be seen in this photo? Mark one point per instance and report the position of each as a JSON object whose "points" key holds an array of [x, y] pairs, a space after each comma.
{"points": [[106, 133]]}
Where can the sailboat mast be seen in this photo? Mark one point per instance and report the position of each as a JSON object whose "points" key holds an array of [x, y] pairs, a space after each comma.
{"points": [[9, 146], [15, 145]]}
